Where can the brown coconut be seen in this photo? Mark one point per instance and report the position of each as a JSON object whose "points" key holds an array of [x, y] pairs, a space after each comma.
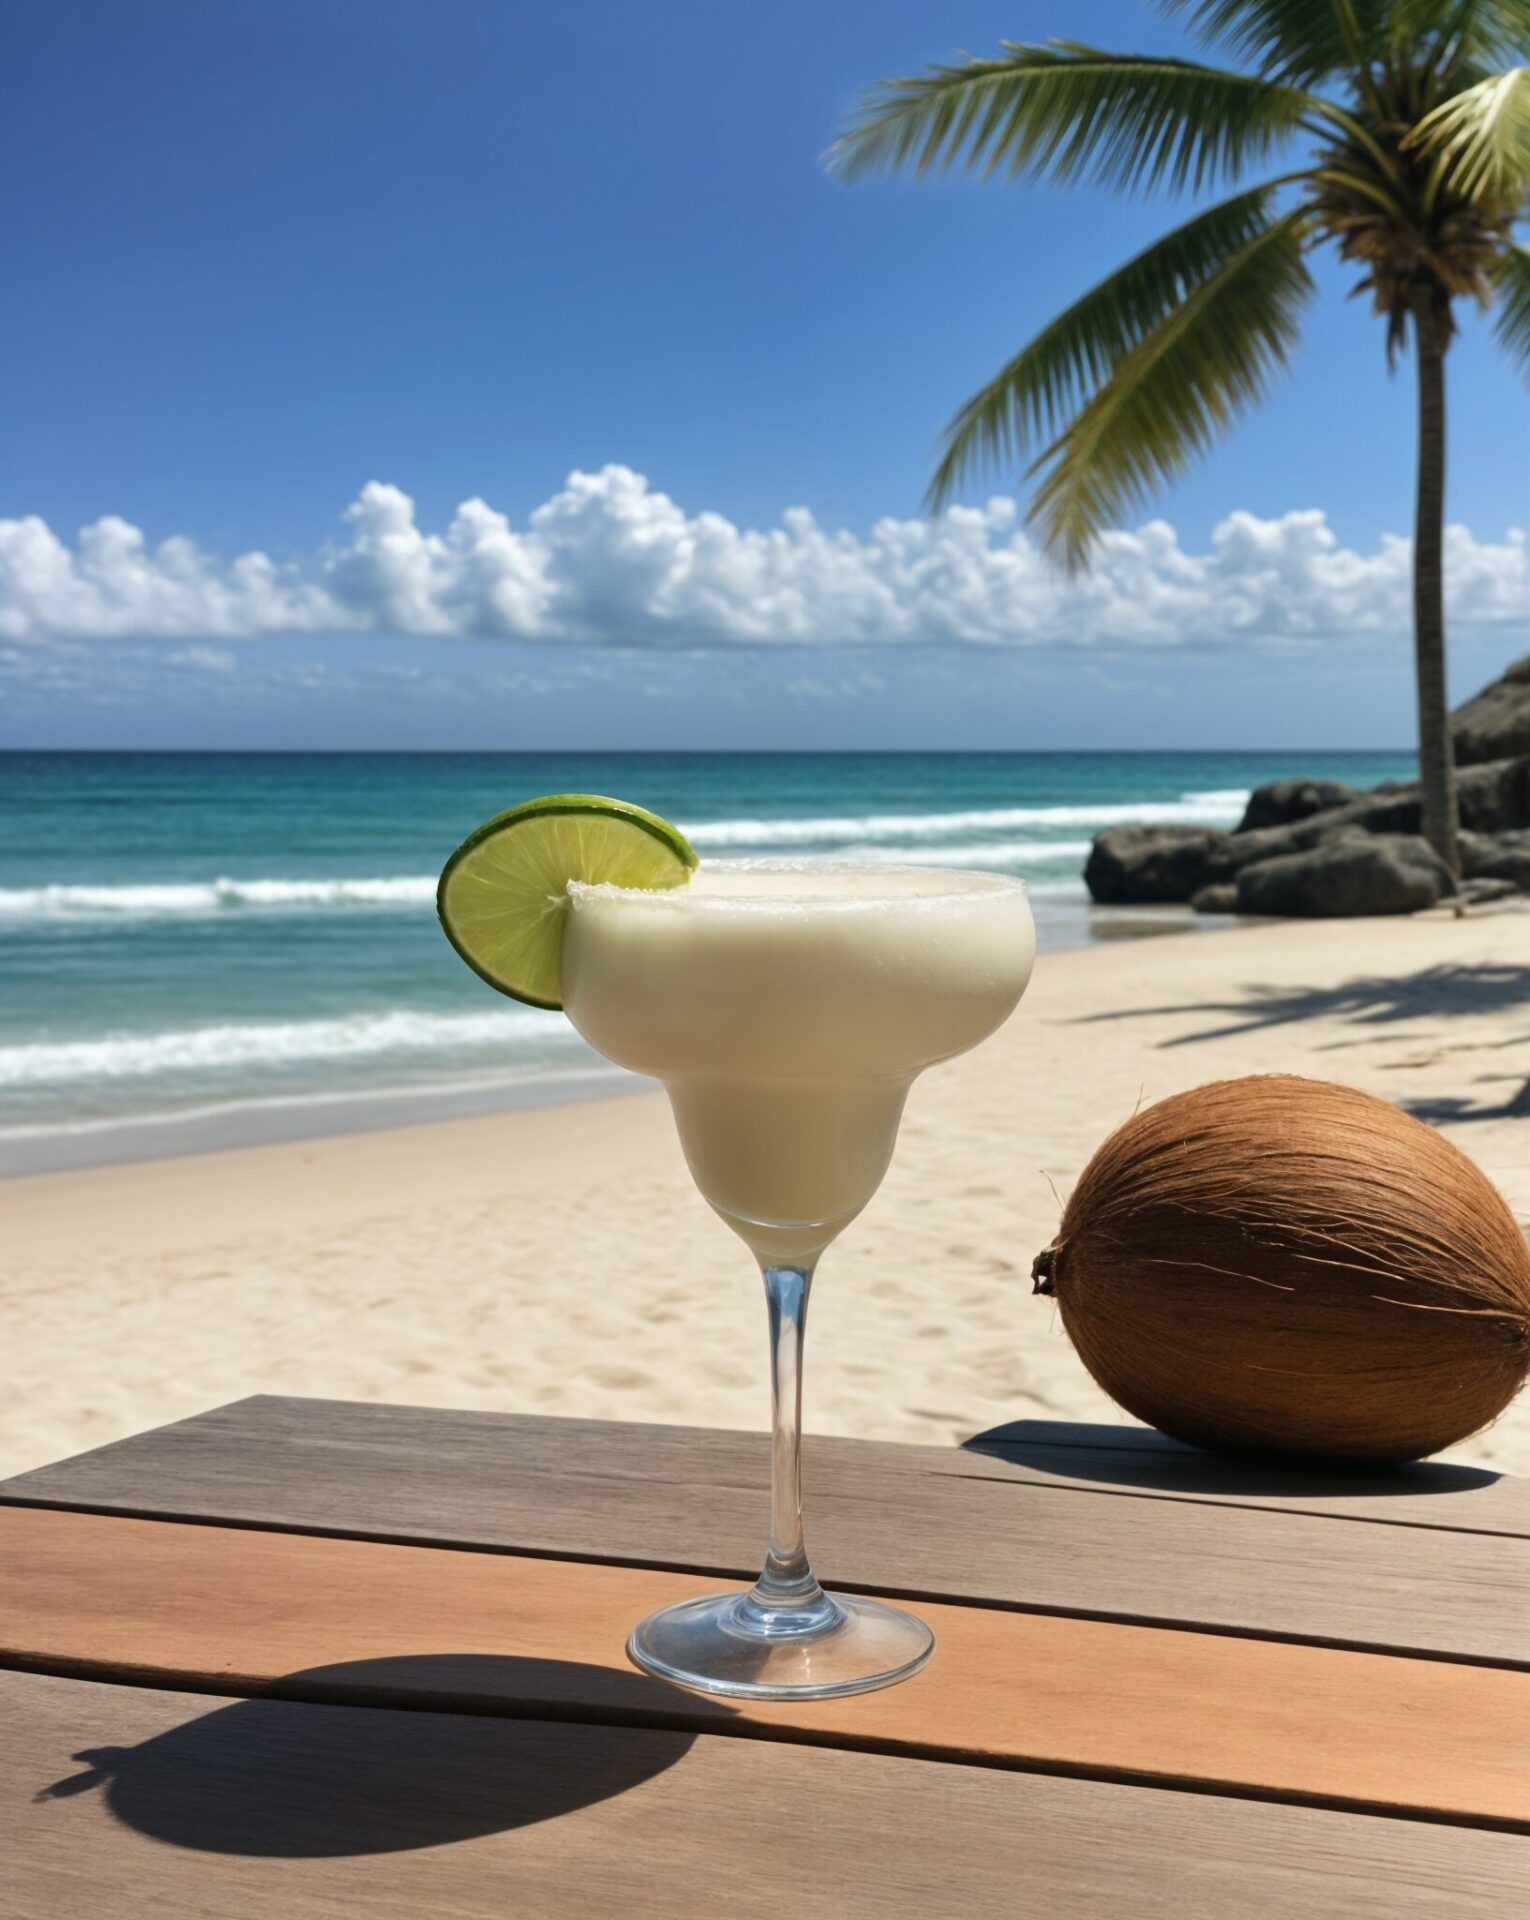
{"points": [[1291, 1266]]}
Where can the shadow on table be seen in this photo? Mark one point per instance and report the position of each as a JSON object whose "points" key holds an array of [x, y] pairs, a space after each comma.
{"points": [[287, 1778], [1132, 1457]]}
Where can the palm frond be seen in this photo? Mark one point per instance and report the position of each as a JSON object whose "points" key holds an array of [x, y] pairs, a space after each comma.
{"points": [[1484, 134], [1296, 42], [1032, 396], [1475, 33], [1204, 365], [1071, 112], [1511, 285]]}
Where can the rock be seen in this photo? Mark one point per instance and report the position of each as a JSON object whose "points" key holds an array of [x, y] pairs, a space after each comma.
{"points": [[1478, 893], [1280, 802], [1227, 860], [1154, 865], [1222, 898], [1495, 798], [1492, 798], [1148, 866], [1355, 873], [1497, 856], [1495, 724]]}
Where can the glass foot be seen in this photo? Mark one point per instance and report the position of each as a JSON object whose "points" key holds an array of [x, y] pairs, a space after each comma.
{"points": [[728, 1643]]}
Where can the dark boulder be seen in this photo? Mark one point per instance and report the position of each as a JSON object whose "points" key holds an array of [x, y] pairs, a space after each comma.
{"points": [[1154, 865], [1497, 856], [1149, 866], [1278, 803], [1222, 898], [1495, 724], [1494, 799], [1227, 860], [1352, 874], [1481, 893]]}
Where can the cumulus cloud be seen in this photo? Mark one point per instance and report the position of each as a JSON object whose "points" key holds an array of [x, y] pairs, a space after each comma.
{"points": [[610, 561]]}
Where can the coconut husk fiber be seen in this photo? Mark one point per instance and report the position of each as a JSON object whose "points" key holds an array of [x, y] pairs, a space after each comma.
{"points": [[1287, 1265]]}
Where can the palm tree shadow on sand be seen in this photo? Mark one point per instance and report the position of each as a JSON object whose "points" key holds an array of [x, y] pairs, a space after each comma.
{"points": [[1374, 1003], [286, 1778]]}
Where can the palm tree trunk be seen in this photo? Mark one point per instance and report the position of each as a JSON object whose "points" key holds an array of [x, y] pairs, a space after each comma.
{"points": [[1436, 753]]}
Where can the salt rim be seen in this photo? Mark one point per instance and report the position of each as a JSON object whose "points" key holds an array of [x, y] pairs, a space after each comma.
{"points": [[981, 884]]}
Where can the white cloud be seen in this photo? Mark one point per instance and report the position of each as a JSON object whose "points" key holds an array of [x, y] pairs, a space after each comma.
{"points": [[608, 561], [202, 659]]}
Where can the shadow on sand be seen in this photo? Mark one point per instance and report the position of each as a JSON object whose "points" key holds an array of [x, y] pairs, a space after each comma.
{"points": [[288, 1778], [1433, 993]]}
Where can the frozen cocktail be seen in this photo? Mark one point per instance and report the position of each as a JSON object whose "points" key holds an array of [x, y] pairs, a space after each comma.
{"points": [[787, 1008]]}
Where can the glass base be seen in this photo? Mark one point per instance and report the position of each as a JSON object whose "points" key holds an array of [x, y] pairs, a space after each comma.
{"points": [[729, 1643]]}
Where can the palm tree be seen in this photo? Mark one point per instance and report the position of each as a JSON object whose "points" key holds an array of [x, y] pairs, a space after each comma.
{"points": [[1414, 125]]}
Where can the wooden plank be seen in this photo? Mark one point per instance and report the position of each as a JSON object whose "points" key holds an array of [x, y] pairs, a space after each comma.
{"points": [[160, 1806], [241, 1611], [924, 1522], [1145, 1463], [1135, 1461]]}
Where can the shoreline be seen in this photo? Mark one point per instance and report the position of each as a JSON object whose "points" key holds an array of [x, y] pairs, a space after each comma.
{"points": [[557, 1259], [220, 948], [232, 1123]]}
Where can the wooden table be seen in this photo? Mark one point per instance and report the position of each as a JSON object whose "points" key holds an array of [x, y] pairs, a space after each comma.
{"points": [[307, 1658]]}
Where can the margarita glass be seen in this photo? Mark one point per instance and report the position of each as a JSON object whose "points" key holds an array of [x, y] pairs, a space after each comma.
{"points": [[787, 1008]]}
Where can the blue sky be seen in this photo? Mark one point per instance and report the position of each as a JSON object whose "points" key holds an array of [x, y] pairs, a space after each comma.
{"points": [[261, 255]]}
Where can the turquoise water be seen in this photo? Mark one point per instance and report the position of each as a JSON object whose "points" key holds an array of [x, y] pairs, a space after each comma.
{"points": [[192, 940]]}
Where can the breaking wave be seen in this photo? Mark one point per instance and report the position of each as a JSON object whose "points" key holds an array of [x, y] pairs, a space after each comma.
{"points": [[155, 900], [1009, 837], [276, 1044]]}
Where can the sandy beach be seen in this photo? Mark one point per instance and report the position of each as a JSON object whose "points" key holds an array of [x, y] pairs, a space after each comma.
{"points": [[558, 1260]]}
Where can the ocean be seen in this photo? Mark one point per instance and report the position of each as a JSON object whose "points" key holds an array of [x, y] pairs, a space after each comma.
{"points": [[203, 949]]}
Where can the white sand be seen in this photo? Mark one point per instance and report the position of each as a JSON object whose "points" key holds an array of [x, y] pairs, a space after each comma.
{"points": [[559, 1260]]}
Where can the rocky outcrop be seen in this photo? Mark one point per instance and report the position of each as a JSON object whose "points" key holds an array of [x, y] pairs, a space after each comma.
{"points": [[1278, 803], [1162, 865], [1351, 874], [1499, 856], [1320, 847], [1477, 893], [1493, 800], [1149, 866], [1495, 724]]}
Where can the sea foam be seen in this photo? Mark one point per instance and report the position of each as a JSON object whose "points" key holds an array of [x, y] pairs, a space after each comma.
{"points": [[154, 900], [191, 1050], [969, 837], [1219, 807]]}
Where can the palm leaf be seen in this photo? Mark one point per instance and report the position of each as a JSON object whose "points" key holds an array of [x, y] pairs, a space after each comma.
{"points": [[1054, 374], [1476, 33], [1512, 325], [1296, 42], [1485, 134], [1204, 365], [1071, 112]]}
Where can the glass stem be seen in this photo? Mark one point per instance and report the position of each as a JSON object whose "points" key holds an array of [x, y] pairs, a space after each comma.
{"points": [[787, 1583]]}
